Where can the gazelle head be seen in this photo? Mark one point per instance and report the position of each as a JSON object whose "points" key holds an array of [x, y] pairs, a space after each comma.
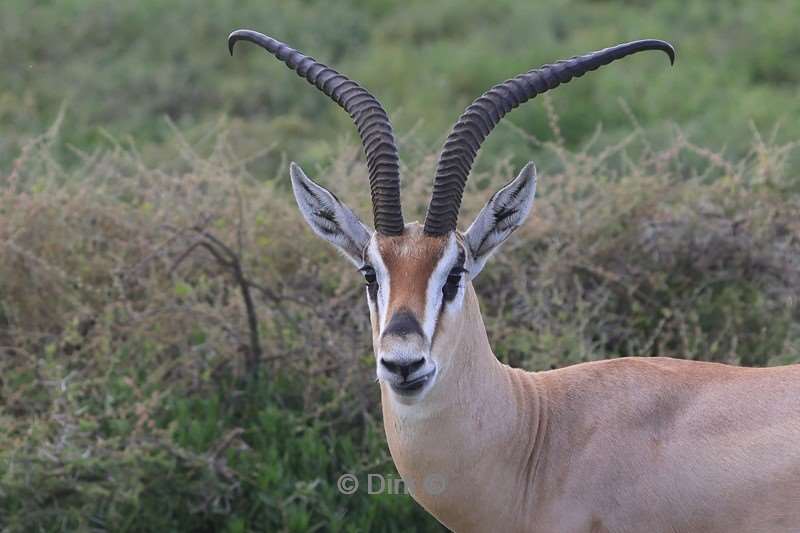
{"points": [[416, 281], [418, 276]]}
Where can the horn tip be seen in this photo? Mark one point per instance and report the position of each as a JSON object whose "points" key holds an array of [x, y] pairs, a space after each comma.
{"points": [[232, 39], [238, 35], [668, 49], [671, 53]]}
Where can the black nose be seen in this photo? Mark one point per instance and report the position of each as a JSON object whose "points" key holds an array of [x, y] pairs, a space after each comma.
{"points": [[402, 368], [403, 323]]}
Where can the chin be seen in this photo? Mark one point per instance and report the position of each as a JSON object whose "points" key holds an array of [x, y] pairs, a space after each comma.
{"points": [[412, 390]]}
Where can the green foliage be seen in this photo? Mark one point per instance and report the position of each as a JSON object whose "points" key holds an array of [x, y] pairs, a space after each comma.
{"points": [[121, 66], [205, 463], [124, 399]]}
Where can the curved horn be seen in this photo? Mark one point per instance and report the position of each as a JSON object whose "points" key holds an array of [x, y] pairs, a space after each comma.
{"points": [[369, 116], [480, 118]]}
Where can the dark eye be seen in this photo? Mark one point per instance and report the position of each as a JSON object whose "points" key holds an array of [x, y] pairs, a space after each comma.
{"points": [[450, 287], [372, 280]]}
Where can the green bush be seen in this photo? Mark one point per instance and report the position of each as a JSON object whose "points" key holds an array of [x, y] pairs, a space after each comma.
{"points": [[129, 400]]}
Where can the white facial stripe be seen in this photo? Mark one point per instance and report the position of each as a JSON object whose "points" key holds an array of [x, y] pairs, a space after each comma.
{"points": [[382, 273], [433, 294], [434, 284]]}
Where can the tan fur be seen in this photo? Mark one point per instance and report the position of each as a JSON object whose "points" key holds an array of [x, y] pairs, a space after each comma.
{"points": [[410, 260], [624, 445]]}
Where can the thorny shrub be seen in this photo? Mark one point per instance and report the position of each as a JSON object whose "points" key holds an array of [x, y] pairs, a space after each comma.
{"points": [[125, 399]]}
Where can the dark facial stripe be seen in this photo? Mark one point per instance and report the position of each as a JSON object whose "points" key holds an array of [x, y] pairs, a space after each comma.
{"points": [[402, 324], [461, 257], [453, 281]]}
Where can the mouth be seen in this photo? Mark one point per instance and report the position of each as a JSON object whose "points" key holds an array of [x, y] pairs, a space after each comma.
{"points": [[412, 386]]}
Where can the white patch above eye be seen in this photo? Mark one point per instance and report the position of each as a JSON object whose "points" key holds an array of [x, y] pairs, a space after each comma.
{"points": [[373, 257], [434, 298]]}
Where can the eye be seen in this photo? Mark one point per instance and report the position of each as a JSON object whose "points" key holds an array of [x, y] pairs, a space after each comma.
{"points": [[371, 279], [369, 276], [451, 286]]}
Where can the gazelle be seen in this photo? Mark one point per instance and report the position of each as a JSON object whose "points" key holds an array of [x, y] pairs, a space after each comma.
{"points": [[623, 445]]}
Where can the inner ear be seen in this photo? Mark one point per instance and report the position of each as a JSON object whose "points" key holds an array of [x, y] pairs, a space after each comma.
{"points": [[329, 218], [505, 211]]}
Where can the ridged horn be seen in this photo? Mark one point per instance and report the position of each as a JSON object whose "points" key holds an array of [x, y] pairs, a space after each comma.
{"points": [[480, 118], [372, 122]]}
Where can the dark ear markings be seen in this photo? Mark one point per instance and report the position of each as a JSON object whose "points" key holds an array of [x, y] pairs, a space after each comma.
{"points": [[308, 189], [499, 216], [521, 185], [331, 226], [503, 213], [328, 215], [477, 252], [328, 231]]}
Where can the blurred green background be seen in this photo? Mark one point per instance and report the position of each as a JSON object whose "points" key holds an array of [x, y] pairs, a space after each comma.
{"points": [[121, 67], [132, 146]]}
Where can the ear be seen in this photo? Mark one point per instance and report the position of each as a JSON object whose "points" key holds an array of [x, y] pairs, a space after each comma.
{"points": [[330, 218], [505, 211]]}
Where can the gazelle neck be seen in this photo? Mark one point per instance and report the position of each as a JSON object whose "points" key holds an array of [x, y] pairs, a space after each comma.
{"points": [[478, 417]]}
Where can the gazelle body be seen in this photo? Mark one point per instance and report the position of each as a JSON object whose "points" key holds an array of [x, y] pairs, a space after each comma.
{"points": [[625, 445]]}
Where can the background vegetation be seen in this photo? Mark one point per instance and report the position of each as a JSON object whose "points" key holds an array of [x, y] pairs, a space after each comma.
{"points": [[143, 192]]}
